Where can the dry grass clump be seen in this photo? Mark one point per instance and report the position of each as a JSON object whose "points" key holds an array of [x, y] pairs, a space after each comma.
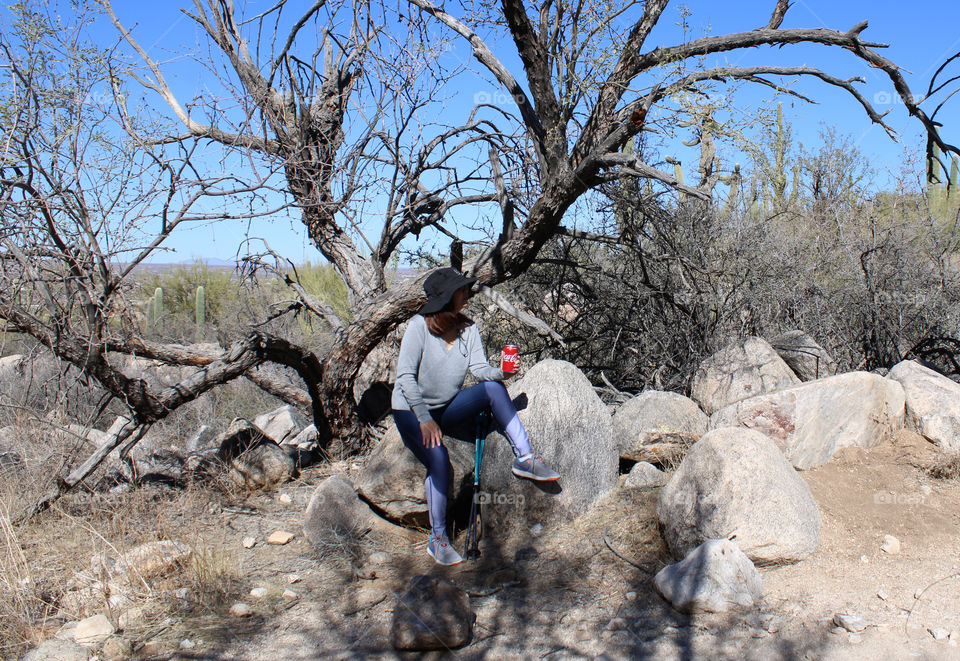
{"points": [[945, 467], [56, 568]]}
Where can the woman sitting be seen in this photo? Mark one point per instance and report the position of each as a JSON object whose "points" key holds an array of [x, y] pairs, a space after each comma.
{"points": [[438, 347]]}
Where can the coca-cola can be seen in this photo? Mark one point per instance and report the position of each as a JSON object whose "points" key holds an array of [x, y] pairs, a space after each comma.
{"points": [[508, 364]]}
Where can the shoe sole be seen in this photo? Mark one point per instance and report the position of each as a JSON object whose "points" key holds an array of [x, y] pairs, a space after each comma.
{"points": [[531, 476], [442, 564]]}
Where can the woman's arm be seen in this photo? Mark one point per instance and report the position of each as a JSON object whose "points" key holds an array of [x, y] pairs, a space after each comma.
{"points": [[408, 366], [477, 357]]}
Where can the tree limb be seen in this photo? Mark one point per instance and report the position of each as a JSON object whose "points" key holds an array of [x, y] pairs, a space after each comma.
{"points": [[523, 316], [280, 389]]}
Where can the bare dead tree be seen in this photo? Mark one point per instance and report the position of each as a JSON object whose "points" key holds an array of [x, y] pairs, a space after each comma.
{"points": [[82, 206], [575, 111], [329, 110], [343, 119]]}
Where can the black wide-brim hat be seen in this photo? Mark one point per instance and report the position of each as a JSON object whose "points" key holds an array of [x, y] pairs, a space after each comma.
{"points": [[440, 287]]}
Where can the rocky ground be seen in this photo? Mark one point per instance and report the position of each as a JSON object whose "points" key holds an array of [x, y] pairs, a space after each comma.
{"points": [[585, 590]]}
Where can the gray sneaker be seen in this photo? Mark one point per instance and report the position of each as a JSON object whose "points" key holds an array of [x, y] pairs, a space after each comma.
{"points": [[533, 468], [442, 552]]}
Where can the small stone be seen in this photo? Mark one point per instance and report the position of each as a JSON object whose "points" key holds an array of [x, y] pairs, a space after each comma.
{"points": [[644, 476], [58, 650], [249, 542], [94, 630], [258, 593], [151, 648], [293, 578], [938, 633], [852, 623], [378, 558], [918, 594], [631, 595], [280, 537], [882, 595], [117, 601], [153, 558], [240, 609], [289, 594], [926, 490], [285, 498], [536, 529], [616, 623], [187, 644], [67, 631], [864, 559], [891, 545], [117, 647], [838, 630], [765, 622], [132, 618]]}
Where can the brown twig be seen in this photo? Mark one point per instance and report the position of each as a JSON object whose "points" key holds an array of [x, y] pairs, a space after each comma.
{"points": [[647, 568]]}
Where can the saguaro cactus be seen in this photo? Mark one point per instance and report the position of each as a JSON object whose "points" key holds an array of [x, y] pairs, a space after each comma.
{"points": [[155, 306], [952, 197], [201, 307]]}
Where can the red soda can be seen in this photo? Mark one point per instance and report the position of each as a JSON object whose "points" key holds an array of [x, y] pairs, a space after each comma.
{"points": [[508, 364]]}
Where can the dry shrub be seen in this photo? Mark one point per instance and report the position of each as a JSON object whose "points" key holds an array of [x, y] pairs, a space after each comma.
{"points": [[945, 467], [44, 561]]}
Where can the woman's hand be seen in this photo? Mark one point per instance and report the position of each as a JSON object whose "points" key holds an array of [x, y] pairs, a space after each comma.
{"points": [[432, 436]]}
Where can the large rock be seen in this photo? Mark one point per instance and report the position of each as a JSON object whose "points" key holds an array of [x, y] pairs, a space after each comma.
{"points": [[932, 403], [736, 482], [282, 424], [392, 479], [335, 511], [806, 358], [812, 421], [431, 614], [256, 461], [571, 428], [715, 578], [743, 369], [656, 412]]}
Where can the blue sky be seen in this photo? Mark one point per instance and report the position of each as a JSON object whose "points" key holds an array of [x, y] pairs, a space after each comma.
{"points": [[921, 36]]}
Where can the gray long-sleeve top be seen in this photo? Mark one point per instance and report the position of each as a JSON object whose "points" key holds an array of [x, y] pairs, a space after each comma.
{"points": [[429, 374]]}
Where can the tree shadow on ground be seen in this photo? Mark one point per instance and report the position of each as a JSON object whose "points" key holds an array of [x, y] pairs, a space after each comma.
{"points": [[564, 594]]}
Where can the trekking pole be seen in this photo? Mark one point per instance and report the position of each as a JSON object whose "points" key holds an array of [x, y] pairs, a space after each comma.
{"points": [[472, 552]]}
